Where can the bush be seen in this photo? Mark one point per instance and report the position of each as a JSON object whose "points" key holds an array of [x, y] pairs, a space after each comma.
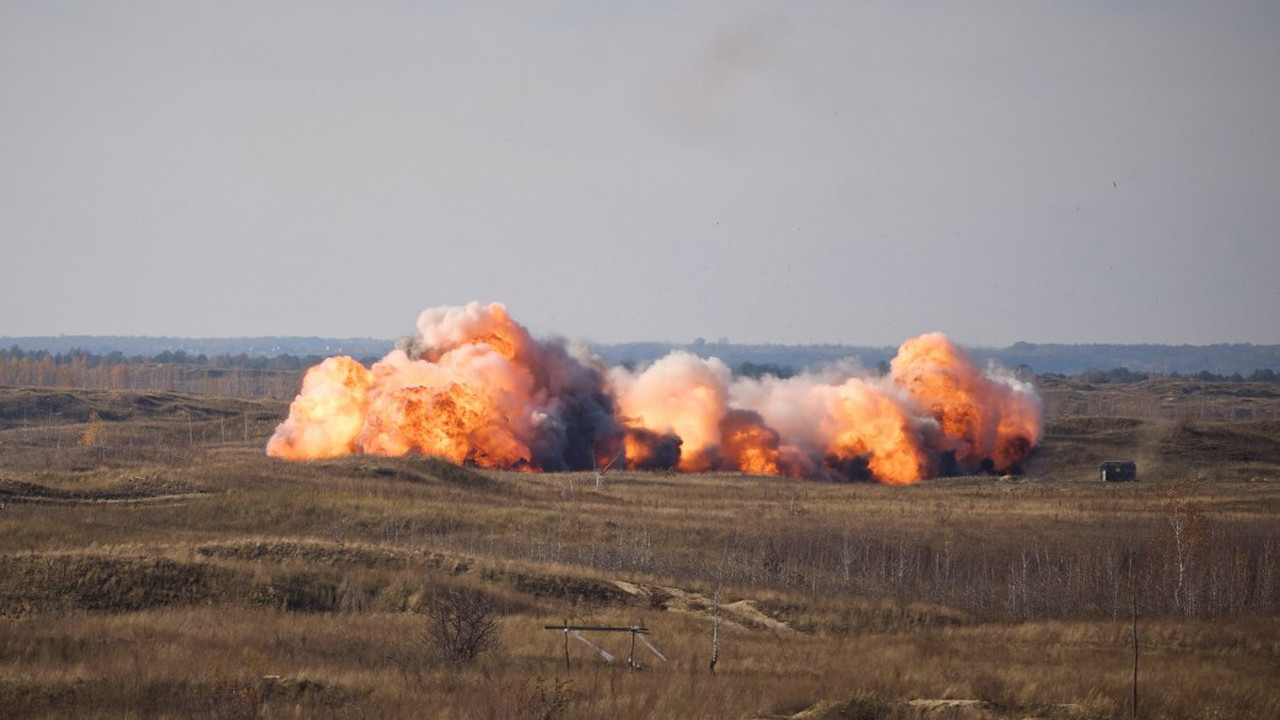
{"points": [[301, 592], [462, 623]]}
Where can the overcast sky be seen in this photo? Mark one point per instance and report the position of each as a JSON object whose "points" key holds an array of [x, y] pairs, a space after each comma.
{"points": [[792, 172]]}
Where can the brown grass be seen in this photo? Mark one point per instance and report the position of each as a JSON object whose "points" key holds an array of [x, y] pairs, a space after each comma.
{"points": [[169, 569]]}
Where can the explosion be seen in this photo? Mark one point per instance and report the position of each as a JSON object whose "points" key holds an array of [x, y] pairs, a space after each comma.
{"points": [[474, 387]]}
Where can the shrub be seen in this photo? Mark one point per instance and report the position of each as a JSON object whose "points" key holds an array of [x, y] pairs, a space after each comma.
{"points": [[462, 623]]}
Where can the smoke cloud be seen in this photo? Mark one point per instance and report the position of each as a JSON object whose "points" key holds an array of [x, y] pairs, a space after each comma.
{"points": [[474, 387]]}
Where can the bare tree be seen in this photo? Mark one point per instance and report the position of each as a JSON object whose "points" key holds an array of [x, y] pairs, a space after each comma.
{"points": [[1185, 513], [462, 623]]}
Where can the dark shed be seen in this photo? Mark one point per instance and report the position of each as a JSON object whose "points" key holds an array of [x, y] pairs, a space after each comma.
{"points": [[1119, 471]]}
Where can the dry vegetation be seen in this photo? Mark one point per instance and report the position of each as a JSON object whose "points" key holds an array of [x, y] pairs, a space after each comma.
{"points": [[154, 563]]}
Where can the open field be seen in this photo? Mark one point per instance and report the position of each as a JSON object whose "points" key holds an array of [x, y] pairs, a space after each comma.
{"points": [[154, 563]]}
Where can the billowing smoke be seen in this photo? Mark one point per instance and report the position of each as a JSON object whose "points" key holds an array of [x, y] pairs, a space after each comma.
{"points": [[475, 387]]}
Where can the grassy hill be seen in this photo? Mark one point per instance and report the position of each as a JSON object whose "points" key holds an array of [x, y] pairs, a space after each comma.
{"points": [[154, 563]]}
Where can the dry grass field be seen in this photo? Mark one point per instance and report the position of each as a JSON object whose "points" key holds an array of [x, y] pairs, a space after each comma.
{"points": [[154, 563]]}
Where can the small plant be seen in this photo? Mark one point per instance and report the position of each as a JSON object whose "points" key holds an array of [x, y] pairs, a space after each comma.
{"points": [[534, 699], [542, 700], [990, 688], [237, 696], [92, 430], [658, 598]]}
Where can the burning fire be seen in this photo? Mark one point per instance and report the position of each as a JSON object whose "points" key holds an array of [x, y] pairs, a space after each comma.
{"points": [[475, 387]]}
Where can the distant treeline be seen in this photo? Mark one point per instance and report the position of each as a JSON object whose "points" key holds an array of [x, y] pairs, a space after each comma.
{"points": [[147, 346], [1125, 375], [88, 359], [1025, 372], [175, 371], [280, 376], [284, 361], [1223, 359]]}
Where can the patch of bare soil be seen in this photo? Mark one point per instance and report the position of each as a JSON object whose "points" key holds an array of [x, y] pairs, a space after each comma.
{"points": [[742, 613]]}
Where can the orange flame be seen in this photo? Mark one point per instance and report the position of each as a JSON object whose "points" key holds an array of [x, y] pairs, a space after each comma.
{"points": [[326, 418], [748, 444], [460, 407], [474, 387], [870, 424], [647, 450], [680, 394], [981, 419]]}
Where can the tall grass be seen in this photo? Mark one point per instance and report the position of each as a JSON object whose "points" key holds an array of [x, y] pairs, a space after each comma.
{"points": [[169, 569]]}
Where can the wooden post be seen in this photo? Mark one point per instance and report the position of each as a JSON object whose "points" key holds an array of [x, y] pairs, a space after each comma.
{"points": [[566, 628], [715, 633], [1134, 591]]}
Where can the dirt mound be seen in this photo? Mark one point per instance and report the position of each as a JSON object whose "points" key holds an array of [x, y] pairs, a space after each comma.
{"points": [[38, 582], [129, 489], [743, 612], [28, 407]]}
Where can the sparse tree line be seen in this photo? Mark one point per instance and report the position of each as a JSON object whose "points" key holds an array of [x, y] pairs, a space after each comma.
{"points": [[84, 358], [1180, 563], [759, 370], [279, 376], [175, 371], [1121, 375]]}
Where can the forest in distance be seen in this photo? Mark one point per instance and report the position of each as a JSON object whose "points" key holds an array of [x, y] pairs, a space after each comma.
{"points": [[1222, 359], [1200, 395]]}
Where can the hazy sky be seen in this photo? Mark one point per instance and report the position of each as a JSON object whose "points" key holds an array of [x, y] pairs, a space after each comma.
{"points": [[844, 172]]}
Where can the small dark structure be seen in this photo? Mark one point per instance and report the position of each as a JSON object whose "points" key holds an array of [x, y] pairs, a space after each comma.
{"points": [[1119, 471]]}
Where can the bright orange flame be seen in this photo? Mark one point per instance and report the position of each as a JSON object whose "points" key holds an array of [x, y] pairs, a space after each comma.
{"points": [[454, 422], [638, 449], [872, 425], [471, 402], [748, 444], [326, 418], [474, 387], [681, 394], [460, 407], [647, 450], [981, 419]]}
